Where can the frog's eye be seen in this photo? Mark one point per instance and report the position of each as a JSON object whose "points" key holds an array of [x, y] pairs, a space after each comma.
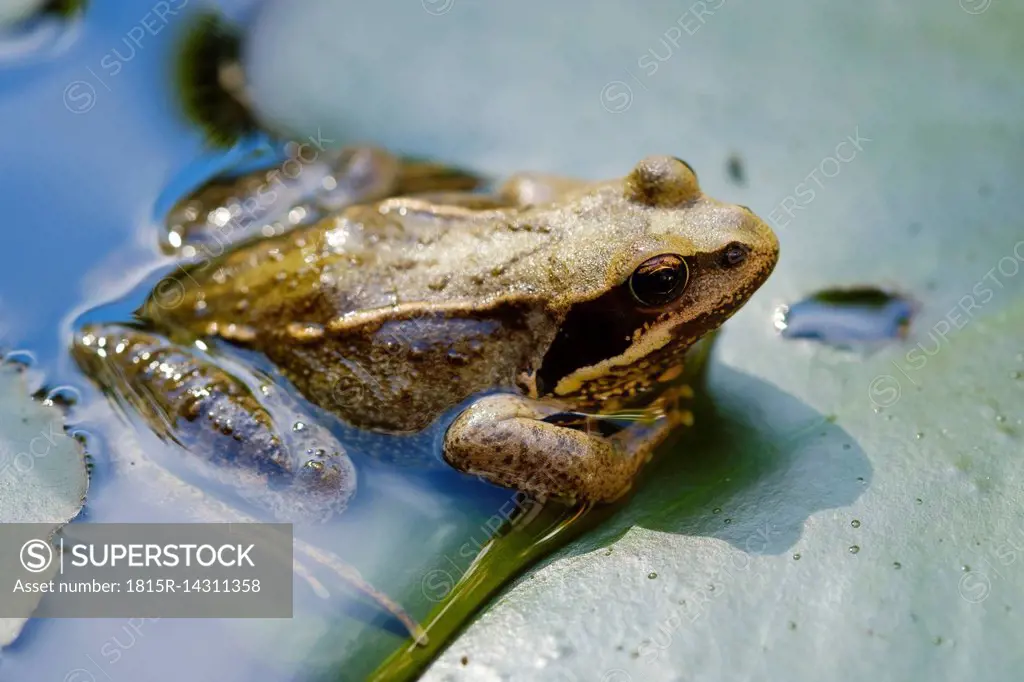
{"points": [[659, 280]]}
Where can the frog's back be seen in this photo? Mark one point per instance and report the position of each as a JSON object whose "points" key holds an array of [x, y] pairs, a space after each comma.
{"points": [[382, 322]]}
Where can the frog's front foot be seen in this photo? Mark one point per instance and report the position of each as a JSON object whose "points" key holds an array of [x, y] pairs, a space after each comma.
{"points": [[525, 444]]}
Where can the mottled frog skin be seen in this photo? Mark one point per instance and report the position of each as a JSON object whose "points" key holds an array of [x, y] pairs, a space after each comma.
{"points": [[540, 309]]}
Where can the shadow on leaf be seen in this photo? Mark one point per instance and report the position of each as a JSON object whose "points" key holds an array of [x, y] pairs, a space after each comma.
{"points": [[758, 464]]}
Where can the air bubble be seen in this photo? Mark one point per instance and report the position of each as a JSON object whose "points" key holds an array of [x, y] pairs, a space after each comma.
{"points": [[21, 358], [63, 396]]}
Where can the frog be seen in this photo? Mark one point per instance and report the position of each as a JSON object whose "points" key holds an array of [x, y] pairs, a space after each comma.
{"points": [[551, 323]]}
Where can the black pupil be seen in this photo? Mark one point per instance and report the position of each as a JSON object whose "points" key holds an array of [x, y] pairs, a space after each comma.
{"points": [[662, 280]]}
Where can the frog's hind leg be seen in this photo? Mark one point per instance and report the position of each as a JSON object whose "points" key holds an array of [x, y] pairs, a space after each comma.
{"points": [[187, 399], [417, 176]]}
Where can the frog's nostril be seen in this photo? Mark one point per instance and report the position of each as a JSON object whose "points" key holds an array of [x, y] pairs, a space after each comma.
{"points": [[733, 254]]}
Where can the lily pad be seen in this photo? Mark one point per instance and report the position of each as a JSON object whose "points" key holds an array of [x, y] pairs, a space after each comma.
{"points": [[43, 474]]}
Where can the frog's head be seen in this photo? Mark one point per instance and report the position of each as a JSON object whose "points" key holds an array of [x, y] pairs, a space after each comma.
{"points": [[659, 266]]}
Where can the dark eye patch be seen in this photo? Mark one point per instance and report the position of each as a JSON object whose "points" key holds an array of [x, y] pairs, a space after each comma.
{"points": [[591, 332]]}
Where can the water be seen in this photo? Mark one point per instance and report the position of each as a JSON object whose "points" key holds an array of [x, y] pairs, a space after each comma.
{"points": [[93, 153], [847, 318]]}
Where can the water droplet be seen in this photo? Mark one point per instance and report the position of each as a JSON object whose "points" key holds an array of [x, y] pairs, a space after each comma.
{"points": [[796, 557], [652, 575], [897, 565], [965, 568], [792, 625], [716, 510], [305, 331], [298, 426], [855, 523], [22, 358], [727, 521], [860, 479], [919, 500], [1000, 418], [846, 318], [919, 435], [847, 446], [938, 641], [63, 396], [854, 549]]}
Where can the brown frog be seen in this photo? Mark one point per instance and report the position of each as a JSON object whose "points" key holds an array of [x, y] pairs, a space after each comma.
{"points": [[581, 305]]}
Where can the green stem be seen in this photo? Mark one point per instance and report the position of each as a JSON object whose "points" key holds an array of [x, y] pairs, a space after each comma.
{"points": [[499, 561]]}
